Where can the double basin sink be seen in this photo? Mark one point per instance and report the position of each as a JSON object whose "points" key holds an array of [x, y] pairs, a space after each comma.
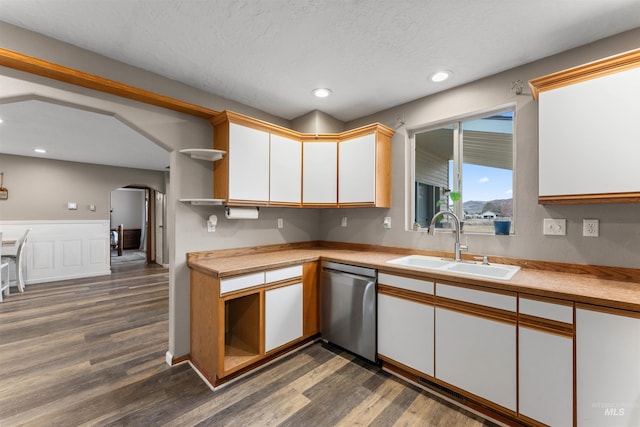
{"points": [[465, 268]]}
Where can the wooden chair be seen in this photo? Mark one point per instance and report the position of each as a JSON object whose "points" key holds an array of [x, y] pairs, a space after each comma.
{"points": [[18, 261]]}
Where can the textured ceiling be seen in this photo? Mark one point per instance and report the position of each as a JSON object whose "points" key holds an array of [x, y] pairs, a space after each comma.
{"points": [[270, 54], [373, 54]]}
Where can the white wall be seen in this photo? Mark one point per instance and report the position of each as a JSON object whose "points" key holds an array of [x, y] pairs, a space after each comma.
{"points": [[186, 224], [619, 224], [128, 208]]}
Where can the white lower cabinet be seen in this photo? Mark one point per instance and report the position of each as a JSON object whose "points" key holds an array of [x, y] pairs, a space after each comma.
{"points": [[607, 368], [283, 315], [476, 349], [545, 361], [545, 377], [405, 332]]}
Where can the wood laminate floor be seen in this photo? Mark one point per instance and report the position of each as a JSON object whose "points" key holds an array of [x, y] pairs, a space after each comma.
{"points": [[92, 352]]}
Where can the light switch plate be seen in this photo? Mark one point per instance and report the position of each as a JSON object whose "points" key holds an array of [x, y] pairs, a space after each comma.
{"points": [[344, 221], [555, 227], [280, 223]]}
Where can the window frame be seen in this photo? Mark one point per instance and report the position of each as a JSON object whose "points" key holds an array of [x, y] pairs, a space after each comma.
{"points": [[458, 159]]}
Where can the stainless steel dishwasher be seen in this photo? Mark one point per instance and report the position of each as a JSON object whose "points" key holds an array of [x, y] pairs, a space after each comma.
{"points": [[348, 307]]}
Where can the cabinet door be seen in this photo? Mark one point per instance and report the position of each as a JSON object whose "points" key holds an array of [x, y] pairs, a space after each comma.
{"points": [[285, 183], [248, 164], [405, 332], [320, 173], [607, 369], [575, 121], [283, 316], [477, 355], [357, 170], [545, 381]]}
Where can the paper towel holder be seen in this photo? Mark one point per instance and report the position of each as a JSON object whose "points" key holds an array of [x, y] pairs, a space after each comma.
{"points": [[242, 212]]}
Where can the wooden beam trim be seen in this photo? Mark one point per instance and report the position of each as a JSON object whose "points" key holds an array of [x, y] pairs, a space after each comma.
{"points": [[32, 65]]}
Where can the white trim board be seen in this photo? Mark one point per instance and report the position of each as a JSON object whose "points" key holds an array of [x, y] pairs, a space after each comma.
{"points": [[61, 250]]}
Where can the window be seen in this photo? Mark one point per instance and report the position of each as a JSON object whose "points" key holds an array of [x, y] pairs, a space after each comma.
{"points": [[471, 158]]}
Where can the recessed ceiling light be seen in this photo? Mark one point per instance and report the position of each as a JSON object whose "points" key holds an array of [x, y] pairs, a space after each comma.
{"points": [[440, 76], [40, 150], [321, 92]]}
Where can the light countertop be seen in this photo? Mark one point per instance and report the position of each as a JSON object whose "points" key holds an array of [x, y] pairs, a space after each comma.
{"points": [[581, 288]]}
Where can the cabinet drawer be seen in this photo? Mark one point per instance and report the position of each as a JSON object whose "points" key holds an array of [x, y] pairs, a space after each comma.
{"points": [[237, 283], [546, 310], [416, 285], [474, 296], [283, 274]]}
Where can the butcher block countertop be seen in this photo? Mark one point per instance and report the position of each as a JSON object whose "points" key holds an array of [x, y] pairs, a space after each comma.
{"points": [[610, 287]]}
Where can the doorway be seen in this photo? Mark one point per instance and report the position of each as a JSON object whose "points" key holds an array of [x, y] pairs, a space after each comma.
{"points": [[136, 220]]}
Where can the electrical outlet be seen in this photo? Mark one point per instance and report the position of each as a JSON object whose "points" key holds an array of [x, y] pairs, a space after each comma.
{"points": [[280, 223], [344, 221], [555, 227], [590, 228]]}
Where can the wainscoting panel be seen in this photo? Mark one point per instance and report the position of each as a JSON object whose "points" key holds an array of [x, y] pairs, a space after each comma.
{"points": [[60, 250]]}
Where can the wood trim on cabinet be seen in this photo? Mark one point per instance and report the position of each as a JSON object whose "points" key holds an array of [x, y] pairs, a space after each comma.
{"points": [[403, 369], [481, 288], [221, 167], [608, 310], [50, 70], [566, 330], [383, 169], [406, 294], [227, 116], [580, 199], [556, 301], [589, 71], [480, 400], [204, 323], [477, 310], [310, 299], [283, 283]]}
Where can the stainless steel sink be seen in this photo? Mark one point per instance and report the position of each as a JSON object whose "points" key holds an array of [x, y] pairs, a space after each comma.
{"points": [[420, 261], [491, 271]]}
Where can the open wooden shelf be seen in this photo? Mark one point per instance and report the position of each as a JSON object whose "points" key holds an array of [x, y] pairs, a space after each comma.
{"points": [[242, 331], [208, 154]]}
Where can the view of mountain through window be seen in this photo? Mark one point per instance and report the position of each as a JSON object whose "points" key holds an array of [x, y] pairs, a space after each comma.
{"points": [[472, 159]]}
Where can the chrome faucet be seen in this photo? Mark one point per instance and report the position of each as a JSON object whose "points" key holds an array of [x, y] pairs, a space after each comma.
{"points": [[458, 247]]}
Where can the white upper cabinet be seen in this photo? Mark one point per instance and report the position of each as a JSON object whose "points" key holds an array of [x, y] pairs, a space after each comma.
{"points": [[357, 170], [267, 164], [248, 164], [320, 173], [285, 183], [588, 133]]}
